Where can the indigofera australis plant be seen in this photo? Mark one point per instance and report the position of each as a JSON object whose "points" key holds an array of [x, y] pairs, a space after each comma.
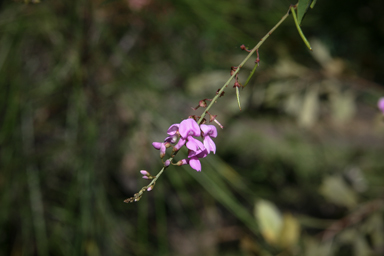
{"points": [[188, 130]]}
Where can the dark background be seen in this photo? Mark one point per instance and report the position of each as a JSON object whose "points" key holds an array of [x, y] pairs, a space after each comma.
{"points": [[87, 86]]}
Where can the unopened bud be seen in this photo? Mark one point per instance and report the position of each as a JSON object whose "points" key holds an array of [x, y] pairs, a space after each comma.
{"points": [[182, 162], [151, 187], [162, 150]]}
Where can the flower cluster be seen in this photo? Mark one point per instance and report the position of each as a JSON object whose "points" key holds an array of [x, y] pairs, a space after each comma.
{"points": [[185, 133]]}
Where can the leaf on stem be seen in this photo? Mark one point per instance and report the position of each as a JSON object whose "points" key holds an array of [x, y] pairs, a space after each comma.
{"points": [[299, 29], [249, 77], [238, 97], [302, 9]]}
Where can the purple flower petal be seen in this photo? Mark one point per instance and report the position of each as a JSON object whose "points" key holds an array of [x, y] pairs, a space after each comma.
{"points": [[162, 150], [157, 145], [179, 144], [189, 127], [209, 130], [198, 154], [173, 129], [171, 139], [209, 144], [194, 144], [194, 162]]}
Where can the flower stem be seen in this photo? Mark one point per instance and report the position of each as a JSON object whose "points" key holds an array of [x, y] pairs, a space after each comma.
{"points": [[243, 62], [138, 195], [158, 175], [229, 80]]}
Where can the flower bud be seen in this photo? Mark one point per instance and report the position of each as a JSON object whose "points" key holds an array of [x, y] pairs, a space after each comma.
{"points": [[162, 150], [182, 162], [151, 187]]}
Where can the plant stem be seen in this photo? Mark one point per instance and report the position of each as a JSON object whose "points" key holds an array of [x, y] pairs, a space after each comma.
{"points": [[243, 62], [217, 96], [229, 80]]}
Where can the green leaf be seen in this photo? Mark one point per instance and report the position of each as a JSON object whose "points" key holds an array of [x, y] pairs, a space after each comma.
{"points": [[303, 8], [297, 23]]}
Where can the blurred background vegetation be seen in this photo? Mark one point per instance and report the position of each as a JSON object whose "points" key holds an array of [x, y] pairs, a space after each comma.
{"points": [[87, 86]]}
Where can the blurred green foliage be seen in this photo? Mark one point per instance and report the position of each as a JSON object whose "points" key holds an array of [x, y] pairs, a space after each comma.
{"points": [[86, 86]]}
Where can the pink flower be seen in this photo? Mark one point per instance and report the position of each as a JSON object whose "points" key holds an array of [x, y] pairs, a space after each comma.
{"points": [[172, 138], [187, 129], [185, 132], [208, 132], [380, 104], [193, 159]]}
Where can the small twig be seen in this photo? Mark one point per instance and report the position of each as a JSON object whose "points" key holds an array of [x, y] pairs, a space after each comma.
{"points": [[352, 219]]}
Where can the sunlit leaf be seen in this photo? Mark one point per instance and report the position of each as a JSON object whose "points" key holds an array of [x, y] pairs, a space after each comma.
{"points": [[269, 220], [290, 232]]}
